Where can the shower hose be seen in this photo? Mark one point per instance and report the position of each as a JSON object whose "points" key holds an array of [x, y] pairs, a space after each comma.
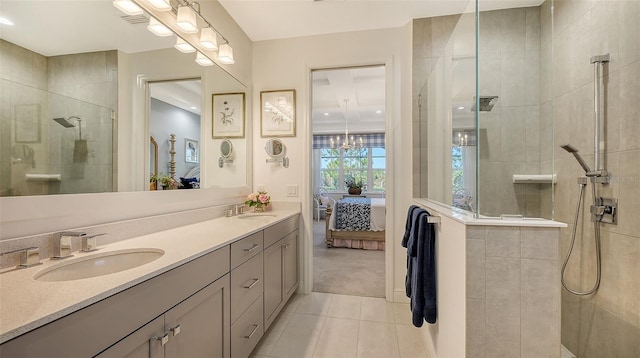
{"points": [[596, 228]]}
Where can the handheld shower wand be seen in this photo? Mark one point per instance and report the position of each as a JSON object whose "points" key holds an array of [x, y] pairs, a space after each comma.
{"points": [[573, 150]]}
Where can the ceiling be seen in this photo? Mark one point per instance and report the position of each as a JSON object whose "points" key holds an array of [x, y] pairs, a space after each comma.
{"points": [[364, 90], [278, 19]]}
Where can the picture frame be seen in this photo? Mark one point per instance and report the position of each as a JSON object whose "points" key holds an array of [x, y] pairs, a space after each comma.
{"points": [[278, 113], [228, 115], [27, 123], [191, 151]]}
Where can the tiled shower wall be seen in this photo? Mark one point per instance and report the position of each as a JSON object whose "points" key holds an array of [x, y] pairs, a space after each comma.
{"points": [[513, 295], [59, 86], [606, 324]]}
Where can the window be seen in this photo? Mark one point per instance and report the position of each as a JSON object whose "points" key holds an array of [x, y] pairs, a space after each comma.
{"points": [[364, 164]]}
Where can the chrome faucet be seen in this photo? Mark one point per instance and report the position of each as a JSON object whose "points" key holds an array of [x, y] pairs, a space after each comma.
{"points": [[62, 244], [240, 209], [89, 242], [30, 256]]}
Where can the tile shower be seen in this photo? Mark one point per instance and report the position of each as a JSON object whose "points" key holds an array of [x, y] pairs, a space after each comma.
{"points": [[537, 61], [39, 156]]}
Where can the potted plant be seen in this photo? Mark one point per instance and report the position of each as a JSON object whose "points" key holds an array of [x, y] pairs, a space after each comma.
{"points": [[258, 201], [355, 186], [153, 182], [167, 182]]}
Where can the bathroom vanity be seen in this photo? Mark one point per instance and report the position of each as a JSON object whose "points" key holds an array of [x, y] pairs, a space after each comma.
{"points": [[214, 291]]}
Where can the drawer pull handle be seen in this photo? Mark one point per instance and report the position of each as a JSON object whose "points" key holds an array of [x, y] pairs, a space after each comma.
{"points": [[175, 330], [255, 328], [163, 339], [255, 246], [255, 281]]}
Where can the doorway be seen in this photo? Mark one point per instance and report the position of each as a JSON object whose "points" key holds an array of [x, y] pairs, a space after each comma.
{"points": [[174, 128], [348, 170]]}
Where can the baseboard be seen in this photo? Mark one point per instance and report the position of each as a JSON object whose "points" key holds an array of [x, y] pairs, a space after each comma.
{"points": [[400, 296]]}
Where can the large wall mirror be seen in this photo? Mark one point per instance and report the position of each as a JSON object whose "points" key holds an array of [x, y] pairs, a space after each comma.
{"points": [[76, 102]]}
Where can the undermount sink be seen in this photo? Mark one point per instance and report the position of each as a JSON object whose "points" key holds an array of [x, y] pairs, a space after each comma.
{"points": [[98, 264], [256, 216]]}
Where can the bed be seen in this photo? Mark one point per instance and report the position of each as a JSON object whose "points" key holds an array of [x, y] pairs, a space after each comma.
{"points": [[357, 223]]}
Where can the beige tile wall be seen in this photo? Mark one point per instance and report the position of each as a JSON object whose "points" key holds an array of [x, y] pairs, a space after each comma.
{"points": [[513, 296], [606, 324]]}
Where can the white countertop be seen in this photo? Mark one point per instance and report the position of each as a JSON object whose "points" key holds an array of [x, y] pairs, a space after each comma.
{"points": [[26, 304], [467, 218]]}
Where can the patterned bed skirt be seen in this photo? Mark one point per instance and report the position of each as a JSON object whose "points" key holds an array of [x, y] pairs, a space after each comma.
{"points": [[359, 244]]}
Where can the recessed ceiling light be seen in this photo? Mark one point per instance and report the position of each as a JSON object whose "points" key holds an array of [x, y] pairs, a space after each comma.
{"points": [[378, 111], [5, 21], [460, 107], [326, 114], [194, 107]]}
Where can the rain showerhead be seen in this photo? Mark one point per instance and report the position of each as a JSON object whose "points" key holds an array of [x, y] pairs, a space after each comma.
{"points": [[573, 150], [486, 103], [65, 122]]}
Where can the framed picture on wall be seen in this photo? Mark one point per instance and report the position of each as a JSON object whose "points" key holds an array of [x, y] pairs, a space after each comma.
{"points": [[278, 113], [228, 115], [191, 151], [27, 123]]}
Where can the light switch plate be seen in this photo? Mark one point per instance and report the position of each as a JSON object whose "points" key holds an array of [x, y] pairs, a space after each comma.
{"points": [[292, 190]]}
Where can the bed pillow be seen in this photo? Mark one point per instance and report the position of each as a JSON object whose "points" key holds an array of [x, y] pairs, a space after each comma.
{"points": [[324, 200]]}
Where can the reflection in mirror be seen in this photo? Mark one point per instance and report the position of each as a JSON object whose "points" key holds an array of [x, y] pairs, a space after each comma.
{"points": [[153, 152], [276, 149], [174, 109], [226, 149], [48, 74]]}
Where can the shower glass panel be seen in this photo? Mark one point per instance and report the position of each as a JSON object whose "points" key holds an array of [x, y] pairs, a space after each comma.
{"points": [[53, 144], [444, 124], [515, 114]]}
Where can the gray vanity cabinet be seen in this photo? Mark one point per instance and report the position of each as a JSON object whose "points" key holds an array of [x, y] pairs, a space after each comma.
{"points": [[280, 267], [196, 327]]}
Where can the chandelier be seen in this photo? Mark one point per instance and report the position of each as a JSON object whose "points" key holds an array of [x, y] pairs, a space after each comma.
{"points": [[349, 142]]}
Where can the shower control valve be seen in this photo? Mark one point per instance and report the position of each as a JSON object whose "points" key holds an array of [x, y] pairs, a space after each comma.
{"points": [[605, 210]]}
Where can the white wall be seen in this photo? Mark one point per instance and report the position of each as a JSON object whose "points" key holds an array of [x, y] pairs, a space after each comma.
{"points": [[286, 64]]}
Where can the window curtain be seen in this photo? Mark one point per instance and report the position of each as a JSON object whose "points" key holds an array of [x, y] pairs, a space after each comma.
{"points": [[369, 140]]}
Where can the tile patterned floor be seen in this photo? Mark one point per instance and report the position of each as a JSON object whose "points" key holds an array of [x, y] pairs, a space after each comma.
{"points": [[330, 325]]}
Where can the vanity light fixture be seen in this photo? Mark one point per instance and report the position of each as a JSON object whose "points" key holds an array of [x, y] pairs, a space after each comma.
{"points": [[158, 28], [208, 39], [160, 5], [225, 54], [203, 60], [183, 46], [128, 7], [186, 19]]}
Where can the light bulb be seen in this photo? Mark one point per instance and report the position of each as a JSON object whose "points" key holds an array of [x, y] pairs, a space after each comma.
{"points": [[186, 20], [158, 29], [208, 39], [128, 7]]}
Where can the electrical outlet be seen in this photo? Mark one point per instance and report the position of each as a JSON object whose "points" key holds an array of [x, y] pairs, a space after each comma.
{"points": [[292, 190], [260, 187]]}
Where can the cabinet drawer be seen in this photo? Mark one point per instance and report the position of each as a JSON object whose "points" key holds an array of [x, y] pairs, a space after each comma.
{"points": [[247, 330], [245, 249], [280, 230], [246, 285]]}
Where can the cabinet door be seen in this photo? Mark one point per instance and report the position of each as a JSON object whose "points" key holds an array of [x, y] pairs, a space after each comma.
{"points": [[290, 264], [200, 325], [146, 342], [272, 282]]}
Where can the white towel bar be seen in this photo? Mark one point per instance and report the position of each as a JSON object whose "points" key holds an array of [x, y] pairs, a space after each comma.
{"points": [[433, 219]]}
